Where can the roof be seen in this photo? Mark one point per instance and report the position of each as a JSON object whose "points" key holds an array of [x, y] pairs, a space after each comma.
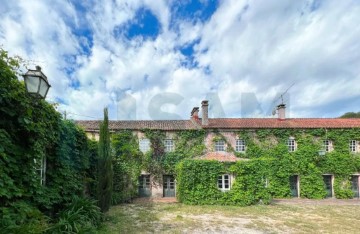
{"points": [[139, 124], [220, 156], [255, 123], [223, 123]]}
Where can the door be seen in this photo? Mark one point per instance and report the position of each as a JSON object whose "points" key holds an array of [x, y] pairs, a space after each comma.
{"points": [[144, 186], [169, 186], [355, 185], [294, 185], [328, 185]]}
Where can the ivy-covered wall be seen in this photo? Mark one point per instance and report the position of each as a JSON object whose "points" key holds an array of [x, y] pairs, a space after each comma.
{"points": [[197, 182], [269, 160], [264, 174], [31, 130]]}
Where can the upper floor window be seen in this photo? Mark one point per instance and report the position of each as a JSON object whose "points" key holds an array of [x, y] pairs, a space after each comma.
{"points": [[220, 145], [169, 145], [291, 144], [144, 145], [327, 144], [353, 146], [224, 182], [240, 146]]}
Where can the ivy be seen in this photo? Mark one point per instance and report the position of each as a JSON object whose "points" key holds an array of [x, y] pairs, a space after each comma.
{"points": [[197, 182], [127, 162], [30, 130], [270, 160]]}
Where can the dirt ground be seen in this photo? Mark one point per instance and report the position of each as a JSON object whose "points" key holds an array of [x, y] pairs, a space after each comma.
{"points": [[282, 216]]}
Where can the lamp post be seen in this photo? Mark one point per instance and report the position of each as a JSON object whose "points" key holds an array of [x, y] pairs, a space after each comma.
{"points": [[36, 83]]}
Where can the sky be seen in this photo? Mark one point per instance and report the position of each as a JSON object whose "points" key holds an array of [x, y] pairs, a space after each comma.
{"points": [[157, 59]]}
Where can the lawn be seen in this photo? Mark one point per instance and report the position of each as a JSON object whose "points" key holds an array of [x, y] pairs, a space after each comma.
{"points": [[276, 218]]}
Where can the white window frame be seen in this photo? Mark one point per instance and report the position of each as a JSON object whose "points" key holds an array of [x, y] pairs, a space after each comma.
{"points": [[327, 145], [353, 146], [240, 146], [41, 169], [224, 182], [169, 145], [220, 146], [144, 145], [291, 144]]}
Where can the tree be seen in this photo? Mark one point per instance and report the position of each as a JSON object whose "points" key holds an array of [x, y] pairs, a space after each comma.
{"points": [[351, 115], [105, 185]]}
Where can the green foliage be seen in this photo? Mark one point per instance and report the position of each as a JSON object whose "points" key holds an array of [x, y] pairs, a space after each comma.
{"points": [[188, 144], [342, 187], [351, 115], [251, 183], [80, 216], [21, 217], [105, 176], [271, 161], [127, 163], [31, 130], [197, 182]]}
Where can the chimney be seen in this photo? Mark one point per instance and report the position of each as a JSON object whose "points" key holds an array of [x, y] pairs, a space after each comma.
{"points": [[195, 113], [205, 109], [281, 111]]}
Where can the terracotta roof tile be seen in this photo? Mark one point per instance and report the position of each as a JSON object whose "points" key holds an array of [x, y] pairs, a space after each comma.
{"points": [[139, 124], [223, 123], [254, 123], [219, 156]]}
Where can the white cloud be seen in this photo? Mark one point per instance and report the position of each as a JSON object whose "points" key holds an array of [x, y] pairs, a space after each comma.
{"points": [[246, 46]]}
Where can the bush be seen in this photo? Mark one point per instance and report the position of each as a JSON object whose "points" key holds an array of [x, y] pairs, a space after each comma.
{"points": [[81, 215], [21, 217]]}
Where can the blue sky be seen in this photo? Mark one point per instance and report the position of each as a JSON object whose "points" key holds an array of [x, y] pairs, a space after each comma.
{"points": [[148, 59]]}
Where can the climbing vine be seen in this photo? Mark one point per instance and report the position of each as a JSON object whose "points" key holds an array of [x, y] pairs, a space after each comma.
{"points": [[268, 159], [31, 132], [127, 163]]}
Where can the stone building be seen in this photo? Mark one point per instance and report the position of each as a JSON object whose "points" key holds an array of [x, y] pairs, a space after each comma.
{"points": [[219, 148]]}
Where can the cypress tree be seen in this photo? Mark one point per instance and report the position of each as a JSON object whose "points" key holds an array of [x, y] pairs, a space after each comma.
{"points": [[105, 184]]}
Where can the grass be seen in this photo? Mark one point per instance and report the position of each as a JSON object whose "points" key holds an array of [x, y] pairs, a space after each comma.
{"points": [[178, 218]]}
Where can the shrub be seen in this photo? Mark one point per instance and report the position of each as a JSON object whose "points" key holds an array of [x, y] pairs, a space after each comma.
{"points": [[81, 215], [21, 217]]}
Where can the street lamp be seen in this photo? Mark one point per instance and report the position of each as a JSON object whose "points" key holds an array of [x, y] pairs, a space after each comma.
{"points": [[36, 83]]}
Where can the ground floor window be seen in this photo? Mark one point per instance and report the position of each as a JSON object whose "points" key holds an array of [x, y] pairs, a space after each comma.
{"points": [[224, 182], [144, 186]]}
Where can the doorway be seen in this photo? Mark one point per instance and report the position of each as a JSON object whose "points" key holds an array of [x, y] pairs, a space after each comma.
{"points": [[355, 185], [294, 185], [328, 185], [169, 186], [144, 186]]}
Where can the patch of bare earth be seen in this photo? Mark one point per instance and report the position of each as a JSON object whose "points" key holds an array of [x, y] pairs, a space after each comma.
{"points": [[280, 217]]}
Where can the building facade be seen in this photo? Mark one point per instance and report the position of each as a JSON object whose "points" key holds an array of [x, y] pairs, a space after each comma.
{"points": [[325, 141]]}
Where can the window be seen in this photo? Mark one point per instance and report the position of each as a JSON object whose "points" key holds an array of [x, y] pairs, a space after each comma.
{"points": [[224, 182], [353, 146], [169, 145], [220, 145], [144, 181], [144, 145], [240, 146], [291, 144], [41, 168], [327, 145]]}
